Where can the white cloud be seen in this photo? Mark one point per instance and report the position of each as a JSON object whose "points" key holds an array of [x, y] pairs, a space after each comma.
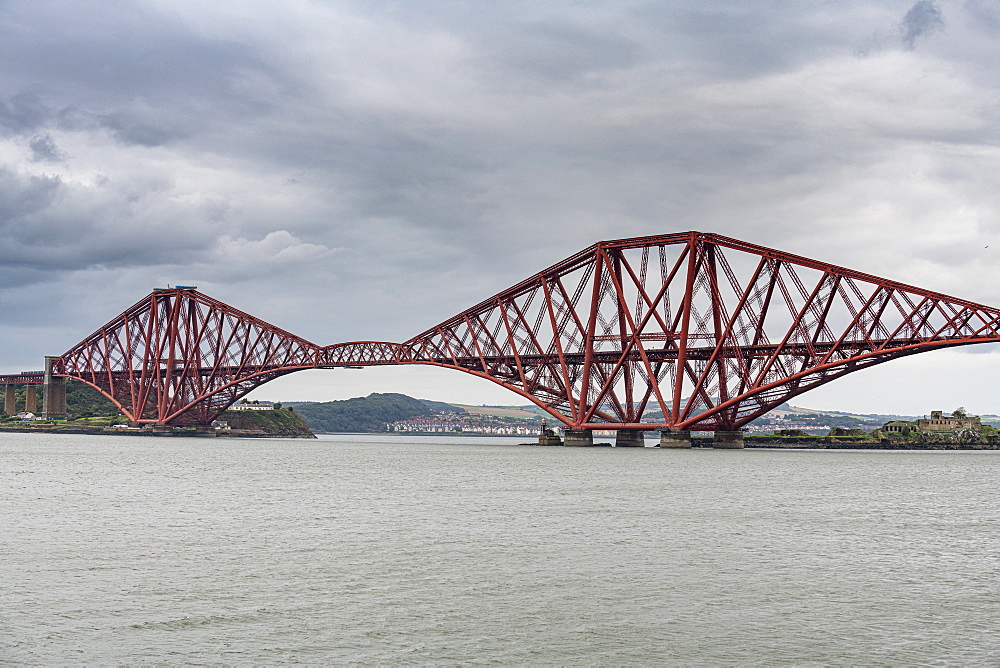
{"points": [[277, 253]]}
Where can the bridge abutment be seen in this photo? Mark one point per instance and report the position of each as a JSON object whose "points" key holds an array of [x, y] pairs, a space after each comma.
{"points": [[578, 438], [629, 438], [728, 440], [10, 401], [670, 438]]}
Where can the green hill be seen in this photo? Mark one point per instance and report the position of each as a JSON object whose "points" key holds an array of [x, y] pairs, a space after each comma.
{"points": [[84, 401], [361, 414], [442, 407], [279, 422]]}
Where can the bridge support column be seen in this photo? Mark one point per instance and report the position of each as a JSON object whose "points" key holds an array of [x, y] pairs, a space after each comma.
{"points": [[670, 438], [31, 398], [9, 401], [53, 393], [578, 438], [629, 438], [728, 440]]}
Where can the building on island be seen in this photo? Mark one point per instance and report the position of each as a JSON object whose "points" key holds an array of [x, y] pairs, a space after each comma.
{"points": [[958, 421], [958, 425], [255, 406]]}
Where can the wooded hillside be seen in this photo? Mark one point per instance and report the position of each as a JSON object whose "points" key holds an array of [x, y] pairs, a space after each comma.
{"points": [[361, 414]]}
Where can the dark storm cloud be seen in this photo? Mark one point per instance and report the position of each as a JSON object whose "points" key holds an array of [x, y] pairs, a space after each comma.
{"points": [[23, 113], [131, 131], [923, 19], [23, 198], [44, 149], [114, 48], [48, 225], [142, 74]]}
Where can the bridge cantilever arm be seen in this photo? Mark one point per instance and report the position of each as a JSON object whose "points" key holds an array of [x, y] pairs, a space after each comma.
{"points": [[837, 368]]}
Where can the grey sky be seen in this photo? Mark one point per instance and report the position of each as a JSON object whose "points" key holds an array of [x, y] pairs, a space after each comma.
{"points": [[355, 170]]}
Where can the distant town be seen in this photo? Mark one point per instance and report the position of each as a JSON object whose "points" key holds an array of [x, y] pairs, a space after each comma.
{"points": [[788, 421]]}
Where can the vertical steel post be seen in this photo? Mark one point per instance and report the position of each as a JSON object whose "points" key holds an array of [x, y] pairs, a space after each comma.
{"points": [[681, 364]]}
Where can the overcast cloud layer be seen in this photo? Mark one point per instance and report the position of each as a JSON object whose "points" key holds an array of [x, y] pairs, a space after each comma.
{"points": [[354, 170]]}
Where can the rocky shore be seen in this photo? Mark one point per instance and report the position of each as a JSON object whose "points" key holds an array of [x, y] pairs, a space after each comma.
{"points": [[828, 443]]}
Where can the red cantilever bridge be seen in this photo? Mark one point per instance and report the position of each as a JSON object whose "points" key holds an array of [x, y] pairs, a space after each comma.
{"points": [[688, 331]]}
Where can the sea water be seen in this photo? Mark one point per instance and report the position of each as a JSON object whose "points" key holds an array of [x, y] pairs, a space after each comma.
{"points": [[397, 550]]}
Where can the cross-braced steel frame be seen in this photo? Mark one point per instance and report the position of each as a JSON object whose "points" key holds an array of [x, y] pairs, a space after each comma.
{"points": [[688, 331]]}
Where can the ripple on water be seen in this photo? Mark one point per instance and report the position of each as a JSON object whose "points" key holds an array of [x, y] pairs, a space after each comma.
{"points": [[379, 550]]}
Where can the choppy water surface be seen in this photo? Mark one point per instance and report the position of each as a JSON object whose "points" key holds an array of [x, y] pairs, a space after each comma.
{"points": [[395, 550]]}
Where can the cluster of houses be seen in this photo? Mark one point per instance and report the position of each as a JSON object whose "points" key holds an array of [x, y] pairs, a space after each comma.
{"points": [[449, 423], [252, 406]]}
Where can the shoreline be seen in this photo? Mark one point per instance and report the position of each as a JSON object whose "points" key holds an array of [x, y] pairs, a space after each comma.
{"points": [[698, 442], [102, 431]]}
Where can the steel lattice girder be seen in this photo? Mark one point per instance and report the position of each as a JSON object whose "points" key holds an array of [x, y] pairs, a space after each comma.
{"points": [[179, 356], [681, 331]]}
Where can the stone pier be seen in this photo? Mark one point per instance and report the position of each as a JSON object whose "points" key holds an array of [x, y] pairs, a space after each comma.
{"points": [[205, 431], [728, 440], [162, 430], [578, 438], [547, 436], [629, 438], [53, 393], [10, 401], [670, 438], [31, 398]]}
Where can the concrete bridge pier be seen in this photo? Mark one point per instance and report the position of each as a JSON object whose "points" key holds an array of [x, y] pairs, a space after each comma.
{"points": [[578, 438], [9, 401], [162, 430], [629, 438], [670, 438], [53, 393], [728, 440]]}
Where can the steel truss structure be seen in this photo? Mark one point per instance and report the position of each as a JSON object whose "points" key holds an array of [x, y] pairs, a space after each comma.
{"points": [[688, 331]]}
